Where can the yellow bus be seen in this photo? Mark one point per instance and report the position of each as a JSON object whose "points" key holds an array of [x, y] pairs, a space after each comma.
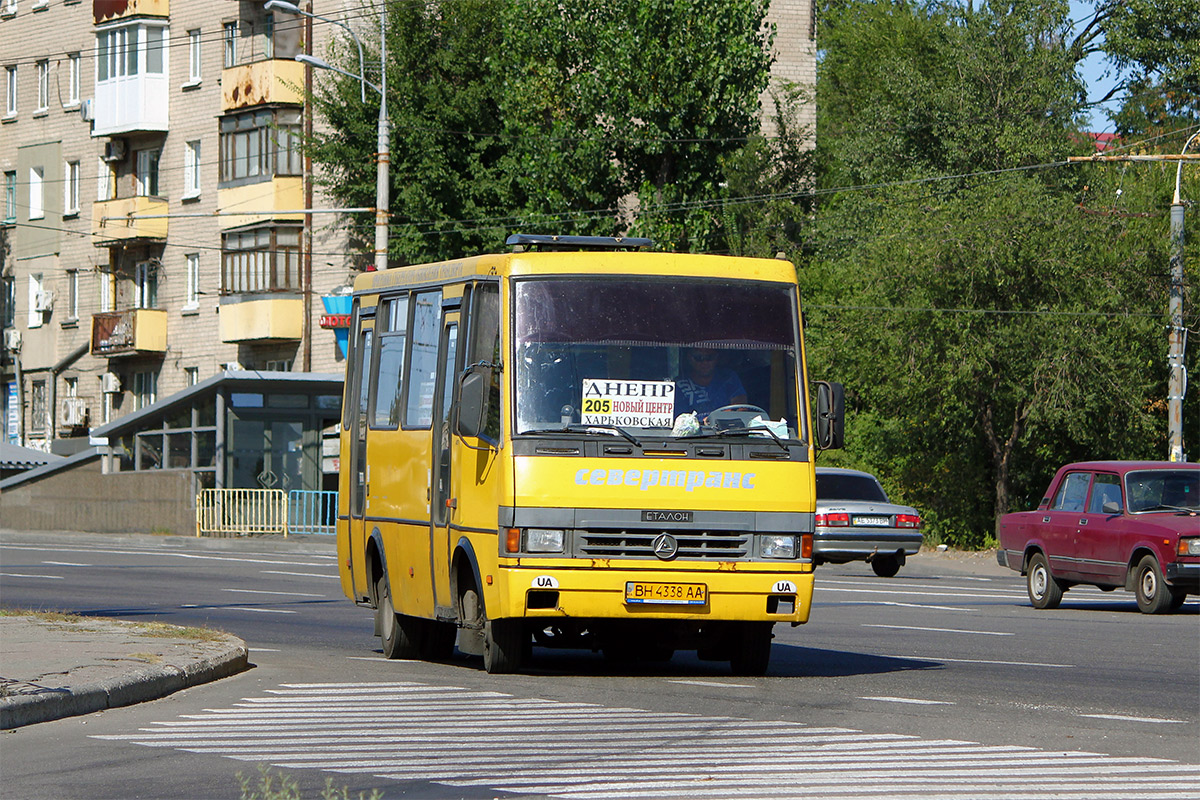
{"points": [[580, 443]]}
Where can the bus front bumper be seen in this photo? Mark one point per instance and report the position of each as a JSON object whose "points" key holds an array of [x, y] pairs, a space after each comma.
{"points": [[741, 594]]}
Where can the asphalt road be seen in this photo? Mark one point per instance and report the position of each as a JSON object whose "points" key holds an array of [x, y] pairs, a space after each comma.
{"points": [[942, 681]]}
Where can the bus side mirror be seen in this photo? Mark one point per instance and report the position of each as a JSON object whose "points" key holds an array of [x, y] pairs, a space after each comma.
{"points": [[831, 415], [473, 390]]}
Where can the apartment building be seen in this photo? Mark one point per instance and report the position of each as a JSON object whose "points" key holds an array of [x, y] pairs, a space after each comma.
{"points": [[153, 231]]}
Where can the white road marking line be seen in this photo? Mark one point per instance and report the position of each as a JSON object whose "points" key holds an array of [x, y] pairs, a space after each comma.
{"points": [[170, 553], [26, 575], [718, 684], [983, 661], [256, 610], [254, 649], [65, 564], [264, 591], [934, 630], [385, 660], [909, 700], [1124, 718], [819, 587], [300, 574], [904, 605]]}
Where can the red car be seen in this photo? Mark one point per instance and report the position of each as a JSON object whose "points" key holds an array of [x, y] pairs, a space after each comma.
{"points": [[1130, 524]]}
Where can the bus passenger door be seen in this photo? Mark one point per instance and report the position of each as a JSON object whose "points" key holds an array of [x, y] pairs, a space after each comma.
{"points": [[358, 469], [442, 505]]}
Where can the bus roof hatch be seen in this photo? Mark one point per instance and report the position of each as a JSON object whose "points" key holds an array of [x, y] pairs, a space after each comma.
{"points": [[539, 241]]}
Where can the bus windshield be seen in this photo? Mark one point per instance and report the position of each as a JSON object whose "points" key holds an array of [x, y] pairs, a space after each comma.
{"points": [[635, 354]]}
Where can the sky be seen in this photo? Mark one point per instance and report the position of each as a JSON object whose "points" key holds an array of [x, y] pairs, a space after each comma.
{"points": [[1092, 70]]}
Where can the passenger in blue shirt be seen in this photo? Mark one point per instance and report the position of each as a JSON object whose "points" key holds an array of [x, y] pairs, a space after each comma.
{"points": [[706, 387]]}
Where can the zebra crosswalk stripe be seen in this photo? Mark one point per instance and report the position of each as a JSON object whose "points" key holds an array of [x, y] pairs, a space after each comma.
{"points": [[408, 731]]}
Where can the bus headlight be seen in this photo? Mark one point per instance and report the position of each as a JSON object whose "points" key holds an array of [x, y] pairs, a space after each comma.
{"points": [[777, 546], [544, 540]]}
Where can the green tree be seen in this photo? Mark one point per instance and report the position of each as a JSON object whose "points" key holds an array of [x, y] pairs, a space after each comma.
{"points": [[992, 326]]}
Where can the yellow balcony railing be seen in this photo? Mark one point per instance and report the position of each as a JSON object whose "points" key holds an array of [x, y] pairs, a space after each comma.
{"points": [[110, 10], [275, 80], [129, 332], [250, 318], [113, 221]]}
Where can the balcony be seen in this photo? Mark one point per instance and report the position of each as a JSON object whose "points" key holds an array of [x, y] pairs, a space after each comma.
{"points": [[129, 333], [112, 222], [255, 318], [113, 10], [261, 199], [275, 80]]}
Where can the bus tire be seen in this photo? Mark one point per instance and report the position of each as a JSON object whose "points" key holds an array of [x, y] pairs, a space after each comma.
{"points": [[503, 645], [396, 631], [751, 649], [437, 640]]}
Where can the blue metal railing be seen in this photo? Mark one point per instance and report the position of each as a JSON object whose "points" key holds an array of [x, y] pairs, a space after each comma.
{"points": [[312, 512]]}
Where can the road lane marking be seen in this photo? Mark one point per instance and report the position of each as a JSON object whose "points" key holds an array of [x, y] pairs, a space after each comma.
{"points": [[582, 751], [718, 684], [909, 700], [27, 575], [264, 591], [904, 605], [238, 608], [934, 630], [1124, 718], [168, 553], [65, 564], [301, 574]]}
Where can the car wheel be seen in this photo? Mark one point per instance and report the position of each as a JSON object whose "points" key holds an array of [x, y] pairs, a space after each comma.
{"points": [[1044, 590], [1177, 599], [885, 566], [397, 632], [1153, 594]]}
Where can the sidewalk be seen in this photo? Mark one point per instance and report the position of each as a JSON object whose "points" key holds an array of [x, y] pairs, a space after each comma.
{"points": [[54, 666]]}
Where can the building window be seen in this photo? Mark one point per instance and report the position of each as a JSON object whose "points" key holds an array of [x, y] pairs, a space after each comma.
{"points": [[10, 104], [269, 36], [10, 197], [37, 407], [8, 301], [74, 63], [194, 56], [108, 291], [192, 301], [145, 389], [71, 189], [146, 285], [104, 181], [147, 172], [10, 6], [43, 74], [155, 47], [191, 375], [231, 33], [259, 145], [191, 169], [37, 300], [36, 193], [72, 295], [262, 260]]}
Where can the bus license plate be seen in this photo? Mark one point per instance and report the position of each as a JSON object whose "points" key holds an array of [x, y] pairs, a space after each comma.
{"points": [[687, 594]]}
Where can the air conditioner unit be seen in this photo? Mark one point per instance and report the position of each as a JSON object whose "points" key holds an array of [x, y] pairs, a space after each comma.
{"points": [[87, 110], [74, 412], [114, 150], [43, 301], [12, 339], [110, 383]]}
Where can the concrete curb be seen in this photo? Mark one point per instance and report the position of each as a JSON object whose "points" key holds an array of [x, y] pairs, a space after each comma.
{"points": [[124, 688]]}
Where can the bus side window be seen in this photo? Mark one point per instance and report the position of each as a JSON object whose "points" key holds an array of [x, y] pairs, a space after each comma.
{"points": [[485, 346]]}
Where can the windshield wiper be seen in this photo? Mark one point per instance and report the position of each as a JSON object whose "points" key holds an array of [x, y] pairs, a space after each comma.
{"points": [[612, 430], [739, 430], [1180, 509]]}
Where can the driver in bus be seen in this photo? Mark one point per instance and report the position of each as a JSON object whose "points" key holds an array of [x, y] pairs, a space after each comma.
{"points": [[705, 386]]}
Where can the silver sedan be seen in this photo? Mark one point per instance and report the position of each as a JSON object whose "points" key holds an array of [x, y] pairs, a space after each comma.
{"points": [[857, 522]]}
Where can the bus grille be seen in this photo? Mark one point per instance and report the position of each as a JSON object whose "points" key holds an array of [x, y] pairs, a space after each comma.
{"points": [[697, 545]]}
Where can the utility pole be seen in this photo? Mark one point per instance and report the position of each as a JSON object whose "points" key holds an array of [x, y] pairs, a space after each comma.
{"points": [[1177, 334]]}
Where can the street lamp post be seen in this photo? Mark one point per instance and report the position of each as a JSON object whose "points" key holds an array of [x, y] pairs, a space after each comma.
{"points": [[382, 154]]}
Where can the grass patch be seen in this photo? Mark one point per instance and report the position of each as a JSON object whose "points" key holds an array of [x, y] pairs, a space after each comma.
{"points": [[159, 630], [273, 785]]}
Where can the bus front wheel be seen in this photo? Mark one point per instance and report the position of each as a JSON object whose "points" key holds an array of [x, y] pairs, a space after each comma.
{"points": [[503, 639], [751, 649]]}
